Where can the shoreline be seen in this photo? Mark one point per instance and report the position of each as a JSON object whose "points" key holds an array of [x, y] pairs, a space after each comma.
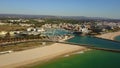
{"points": [[54, 58], [22, 58], [110, 36]]}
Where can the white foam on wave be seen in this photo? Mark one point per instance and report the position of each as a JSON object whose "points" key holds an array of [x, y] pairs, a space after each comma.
{"points": [[66, 55]]}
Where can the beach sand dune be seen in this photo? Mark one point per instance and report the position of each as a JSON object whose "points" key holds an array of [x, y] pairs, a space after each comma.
{"points": [[110, 36], [21, 58]]}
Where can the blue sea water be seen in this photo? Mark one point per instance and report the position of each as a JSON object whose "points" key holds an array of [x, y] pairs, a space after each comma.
{"points": [[89, 59]]}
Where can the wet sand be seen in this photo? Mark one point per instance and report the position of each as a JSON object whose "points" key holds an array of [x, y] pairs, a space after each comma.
{"points": [[16, 59]]}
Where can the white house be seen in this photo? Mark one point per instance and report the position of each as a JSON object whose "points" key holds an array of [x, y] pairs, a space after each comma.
{"points": [[40, 30], [30, 29], [3, 33], [85, 30]]}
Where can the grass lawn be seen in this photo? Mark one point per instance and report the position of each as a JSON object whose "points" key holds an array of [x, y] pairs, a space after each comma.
{"points": [[23, 46]]}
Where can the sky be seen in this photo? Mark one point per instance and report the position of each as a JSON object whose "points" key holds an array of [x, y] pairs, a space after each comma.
{"points": [[89, 8]]}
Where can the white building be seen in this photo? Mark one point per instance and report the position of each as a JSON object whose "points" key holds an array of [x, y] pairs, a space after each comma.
{"points": [[40, 30], [85, 30], [30, 29], [3, 33]]}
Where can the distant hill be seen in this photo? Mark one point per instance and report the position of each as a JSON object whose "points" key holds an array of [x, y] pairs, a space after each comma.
{"points": [[56, 17]]}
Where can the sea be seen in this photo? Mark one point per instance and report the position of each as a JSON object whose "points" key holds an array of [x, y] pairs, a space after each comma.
{"points": [[88, 59]]}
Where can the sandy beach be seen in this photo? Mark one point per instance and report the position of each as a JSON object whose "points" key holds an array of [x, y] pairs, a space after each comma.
{"points": [[110, 36], [16, 59]]}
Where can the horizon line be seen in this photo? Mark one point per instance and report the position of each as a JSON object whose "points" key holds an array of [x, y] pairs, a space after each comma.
{"points": [[57, 15]]}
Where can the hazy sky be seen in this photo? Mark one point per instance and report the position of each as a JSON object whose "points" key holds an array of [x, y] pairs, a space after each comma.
{"points": [[90, 8]]}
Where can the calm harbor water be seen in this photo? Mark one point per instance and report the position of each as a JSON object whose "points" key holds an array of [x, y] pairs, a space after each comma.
{"points": [[117, 38], [95, 42], [89, 59], [55, 32]]}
